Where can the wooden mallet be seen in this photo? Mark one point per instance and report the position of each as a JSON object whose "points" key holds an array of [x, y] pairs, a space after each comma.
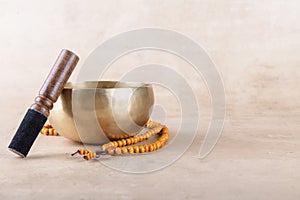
{"points": [[38, 113]]}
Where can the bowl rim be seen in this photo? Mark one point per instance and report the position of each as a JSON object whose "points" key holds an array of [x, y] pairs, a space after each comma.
{"points": [[105, 85]]}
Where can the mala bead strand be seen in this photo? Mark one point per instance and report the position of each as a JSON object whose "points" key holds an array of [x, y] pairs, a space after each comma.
{"points": [[49, 130], [121, 147], [112, 148], [133, 140], [117, 137]]}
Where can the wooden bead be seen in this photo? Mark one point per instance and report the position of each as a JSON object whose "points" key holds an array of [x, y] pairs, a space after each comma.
{"points": [[115, 143], [128, 141], [142, 149], [132, 140], [85, 151], [51, 130], [158, 144], [130, 149], [123, 142], [162, 139], [118, 150], [87, 157], [165, 134], [104, 147], [110, 144], [81, 151], [111, 136], [45, 131], [55, 133], [47, 126], [136, 149], [144, 137], [154, 146], [124, 150], [140, 138], [150, 132], [120, 143], [165, 130], [151, 148]]}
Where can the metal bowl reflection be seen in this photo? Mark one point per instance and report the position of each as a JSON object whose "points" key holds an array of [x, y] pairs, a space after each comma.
{"points": [[94, 112]]}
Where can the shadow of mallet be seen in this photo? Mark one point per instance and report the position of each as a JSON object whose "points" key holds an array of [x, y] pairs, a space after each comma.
{"points": [[38, 113]]}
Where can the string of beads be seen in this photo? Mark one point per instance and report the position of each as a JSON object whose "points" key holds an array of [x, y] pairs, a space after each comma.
{"points": [[49, 131], [120, 147]]}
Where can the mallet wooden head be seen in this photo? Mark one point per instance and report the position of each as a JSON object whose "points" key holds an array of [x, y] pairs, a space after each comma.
{"points": [[38, 113]]}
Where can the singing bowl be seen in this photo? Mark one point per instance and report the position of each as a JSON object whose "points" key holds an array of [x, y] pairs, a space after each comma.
{"points": [[96, 112]]}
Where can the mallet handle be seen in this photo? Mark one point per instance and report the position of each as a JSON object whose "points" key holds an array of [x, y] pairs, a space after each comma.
{"points": [[37, 115], [54, 84]]}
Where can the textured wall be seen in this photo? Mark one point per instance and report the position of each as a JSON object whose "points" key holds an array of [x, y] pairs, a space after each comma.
{"points": [[255, 44]]}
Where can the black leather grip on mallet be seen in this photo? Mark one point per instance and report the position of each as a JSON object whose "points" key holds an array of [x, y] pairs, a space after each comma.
{"points": [[38, 113]]}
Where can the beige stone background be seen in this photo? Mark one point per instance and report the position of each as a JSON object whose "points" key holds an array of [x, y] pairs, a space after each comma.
{"points": [[255, 46]]}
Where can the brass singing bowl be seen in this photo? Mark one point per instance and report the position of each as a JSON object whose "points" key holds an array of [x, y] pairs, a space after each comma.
{"points": [[96, 112]]}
